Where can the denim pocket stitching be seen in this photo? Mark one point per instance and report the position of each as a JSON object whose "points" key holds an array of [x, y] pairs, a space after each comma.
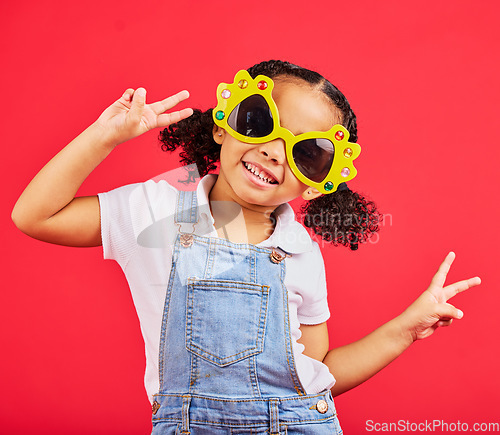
{"points": [[238, 287]]}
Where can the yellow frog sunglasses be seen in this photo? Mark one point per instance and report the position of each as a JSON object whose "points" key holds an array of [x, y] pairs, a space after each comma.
{"points": [[247, 111]]}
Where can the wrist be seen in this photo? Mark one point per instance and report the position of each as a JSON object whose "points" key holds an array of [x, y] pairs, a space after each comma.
{"points": [[102, 137], [399, 332]]}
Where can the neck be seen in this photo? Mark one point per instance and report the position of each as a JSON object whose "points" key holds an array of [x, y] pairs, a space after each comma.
{"points": [[237, 220]]}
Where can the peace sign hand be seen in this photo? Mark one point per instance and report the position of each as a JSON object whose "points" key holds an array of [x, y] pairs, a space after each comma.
{"points": [[432, 310], [130, 116]]}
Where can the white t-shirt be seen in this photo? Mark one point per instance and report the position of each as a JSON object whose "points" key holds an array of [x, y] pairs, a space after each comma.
{"points": [[138, 231]]}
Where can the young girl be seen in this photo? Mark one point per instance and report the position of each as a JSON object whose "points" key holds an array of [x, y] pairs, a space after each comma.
{"points": [[230, 290]]}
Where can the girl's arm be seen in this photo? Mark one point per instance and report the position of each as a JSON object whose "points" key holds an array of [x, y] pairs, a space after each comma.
{"points": [[48, 210], [315, 340], [356, 362]]}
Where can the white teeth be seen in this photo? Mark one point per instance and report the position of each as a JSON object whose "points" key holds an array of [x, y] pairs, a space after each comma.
{"points": [[256, 171]]}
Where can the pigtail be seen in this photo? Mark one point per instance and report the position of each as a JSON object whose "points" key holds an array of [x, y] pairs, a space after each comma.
{"points": [[195, 136], [342, 218]]}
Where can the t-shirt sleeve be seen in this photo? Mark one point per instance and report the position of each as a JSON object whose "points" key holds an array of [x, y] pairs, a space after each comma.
{"points": [[134, 216], [117, 233], [314, 307]]}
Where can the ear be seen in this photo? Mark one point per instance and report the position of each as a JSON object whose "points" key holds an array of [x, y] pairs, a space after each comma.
{"points": [[311, 193], [218, 133]]}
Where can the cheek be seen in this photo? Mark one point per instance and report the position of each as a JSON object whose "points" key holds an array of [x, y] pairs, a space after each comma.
{"points": [[227, 154], [231, 149], [293, 181]]}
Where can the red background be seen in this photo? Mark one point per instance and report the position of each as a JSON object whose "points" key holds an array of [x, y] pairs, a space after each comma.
{"points": [[423, 79]]}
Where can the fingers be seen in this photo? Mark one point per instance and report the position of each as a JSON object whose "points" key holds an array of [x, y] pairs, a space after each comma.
{"points": [[444, 322], [460, 286], [447, 313], [171, 118], [127, 95], [166, 104], [138, 103], [440, 276]]}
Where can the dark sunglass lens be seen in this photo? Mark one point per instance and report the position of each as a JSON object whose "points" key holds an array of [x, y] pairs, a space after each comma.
{"points": [[252, 117], [314, 158]]}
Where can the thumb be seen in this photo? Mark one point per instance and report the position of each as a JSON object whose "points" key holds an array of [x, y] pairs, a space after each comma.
{"points": [[448, 311], [138, 103]]}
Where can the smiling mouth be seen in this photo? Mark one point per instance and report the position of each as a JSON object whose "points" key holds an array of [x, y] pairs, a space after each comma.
{"points": [[260, 173]]}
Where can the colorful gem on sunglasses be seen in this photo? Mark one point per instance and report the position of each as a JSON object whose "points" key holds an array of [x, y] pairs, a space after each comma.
{"points": [[328, 186], [226, 93], [339, 135], [345, 172], [262, 85], [347, 153], [220, 115], [242, 84]]}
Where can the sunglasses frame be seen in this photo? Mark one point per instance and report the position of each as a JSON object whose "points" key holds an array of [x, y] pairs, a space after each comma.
{"points": [[229, 95]]}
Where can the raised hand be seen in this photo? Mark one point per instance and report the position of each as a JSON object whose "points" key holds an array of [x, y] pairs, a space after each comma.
{"points": [[356, 362], [48, 210], [432, 310], [130, 116]]}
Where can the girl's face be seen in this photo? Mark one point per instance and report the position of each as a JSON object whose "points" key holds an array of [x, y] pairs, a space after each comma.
{"points": [[258, 174]]}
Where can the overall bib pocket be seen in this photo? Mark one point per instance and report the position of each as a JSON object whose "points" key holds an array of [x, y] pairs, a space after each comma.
{"points": [[225, 320]]}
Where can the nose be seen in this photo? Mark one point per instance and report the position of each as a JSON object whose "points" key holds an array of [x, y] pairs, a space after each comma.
{"points": [[274, 151]]}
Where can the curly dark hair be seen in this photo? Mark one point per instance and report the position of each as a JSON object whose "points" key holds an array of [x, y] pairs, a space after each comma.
{"points": [[343, 217]]}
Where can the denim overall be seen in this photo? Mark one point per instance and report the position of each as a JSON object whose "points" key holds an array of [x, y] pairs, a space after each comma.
{"points": [[226, 362]]}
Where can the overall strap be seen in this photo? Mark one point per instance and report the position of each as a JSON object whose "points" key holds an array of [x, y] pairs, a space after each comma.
{"points": [[186, 210]]}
